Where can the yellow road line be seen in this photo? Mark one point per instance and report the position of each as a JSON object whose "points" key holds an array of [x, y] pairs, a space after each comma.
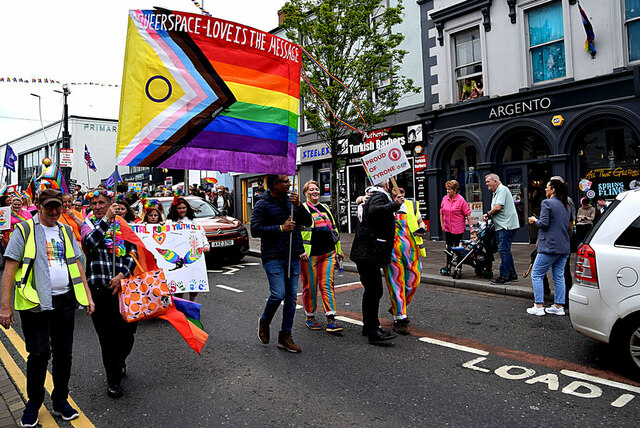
{"points": [[18, 343], [21, 381]]}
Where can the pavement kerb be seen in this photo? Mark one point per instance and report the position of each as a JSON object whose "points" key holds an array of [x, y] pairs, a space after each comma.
{"points": [[517, 290]]}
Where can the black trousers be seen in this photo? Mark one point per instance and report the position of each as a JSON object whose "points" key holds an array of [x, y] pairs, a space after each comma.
{"points": [[116, 336], [371, 280], [452, 240], [47, 333]]}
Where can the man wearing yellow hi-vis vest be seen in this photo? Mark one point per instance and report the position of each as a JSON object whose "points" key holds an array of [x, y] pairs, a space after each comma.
{"points": [[42, 266]]}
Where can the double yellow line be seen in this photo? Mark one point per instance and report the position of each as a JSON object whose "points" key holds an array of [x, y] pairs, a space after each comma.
{"points": [[46, 419]]}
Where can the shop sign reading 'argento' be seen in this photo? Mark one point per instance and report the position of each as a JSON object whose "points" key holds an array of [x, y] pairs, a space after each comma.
{"points": [[520, 107]]}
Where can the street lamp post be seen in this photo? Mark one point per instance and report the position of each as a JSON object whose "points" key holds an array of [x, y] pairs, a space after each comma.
{"points": [[41, 123], [66, 137]]}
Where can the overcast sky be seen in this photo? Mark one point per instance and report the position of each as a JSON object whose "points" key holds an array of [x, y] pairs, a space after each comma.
{"points": [[83, 41]]}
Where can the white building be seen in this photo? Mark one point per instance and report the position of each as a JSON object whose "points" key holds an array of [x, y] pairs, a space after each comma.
{"points": [[99, 135]]}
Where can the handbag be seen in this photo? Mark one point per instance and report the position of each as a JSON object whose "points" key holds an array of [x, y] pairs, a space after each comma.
{"points": [[144, 296], [334, 233]]}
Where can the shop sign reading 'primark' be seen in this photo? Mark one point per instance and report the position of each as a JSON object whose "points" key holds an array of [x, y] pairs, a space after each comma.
{"points": [[520, 107]]}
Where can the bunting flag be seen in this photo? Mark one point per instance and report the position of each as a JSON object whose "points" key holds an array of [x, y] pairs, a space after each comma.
{"points": [[9, 79], [204, 93], [588, 28], [88, 160]]}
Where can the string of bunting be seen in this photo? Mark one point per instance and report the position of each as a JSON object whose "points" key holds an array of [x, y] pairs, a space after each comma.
{"points": [[204, 12], [47, 80], [319, 97]]}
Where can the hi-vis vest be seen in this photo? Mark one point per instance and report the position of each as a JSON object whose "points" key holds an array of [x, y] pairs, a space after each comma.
{"points": [[26, 296], [412, 222], [306, 231]]}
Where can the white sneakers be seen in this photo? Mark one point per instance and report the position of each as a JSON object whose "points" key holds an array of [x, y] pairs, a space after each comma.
{"points": [[534, 310], [553, 309]]}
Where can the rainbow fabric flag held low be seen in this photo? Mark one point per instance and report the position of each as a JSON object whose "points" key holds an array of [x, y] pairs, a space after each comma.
{"points": [[204, 93], [184, 316]]}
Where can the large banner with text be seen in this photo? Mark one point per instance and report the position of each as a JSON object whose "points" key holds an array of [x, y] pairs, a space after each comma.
{"points": [[204, 93], [176, 248]]}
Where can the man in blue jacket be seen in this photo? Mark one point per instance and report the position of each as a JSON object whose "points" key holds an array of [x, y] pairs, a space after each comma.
{"points": [[272, 221]]}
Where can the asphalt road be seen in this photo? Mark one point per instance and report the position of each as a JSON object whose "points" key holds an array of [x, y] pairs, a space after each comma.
{"points": [[473, 359]]}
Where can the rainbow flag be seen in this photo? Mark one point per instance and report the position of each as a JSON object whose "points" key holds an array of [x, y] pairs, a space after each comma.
{"points": [[588, 29], [204, 93], [211, 180], [184, 316], [51, 178]]}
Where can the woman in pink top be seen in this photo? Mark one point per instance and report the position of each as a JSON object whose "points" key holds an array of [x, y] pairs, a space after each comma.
{"points": [[453, 211]]}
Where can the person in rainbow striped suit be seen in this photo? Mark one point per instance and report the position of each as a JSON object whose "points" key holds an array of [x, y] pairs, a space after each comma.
{"points": [[322, 251], [402, 274]]}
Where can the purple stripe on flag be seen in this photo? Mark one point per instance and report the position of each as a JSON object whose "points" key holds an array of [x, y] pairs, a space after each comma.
{"points": [[239, 143], [198, 158]]}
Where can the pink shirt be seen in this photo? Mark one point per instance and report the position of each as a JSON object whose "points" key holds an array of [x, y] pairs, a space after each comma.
{"points": [[454, 213]]}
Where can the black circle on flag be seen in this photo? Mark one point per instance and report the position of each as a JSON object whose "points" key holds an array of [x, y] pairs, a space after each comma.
{"points": [[158, 100]]}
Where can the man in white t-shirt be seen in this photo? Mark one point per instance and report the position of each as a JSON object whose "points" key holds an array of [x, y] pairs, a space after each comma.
{"points": [[505, 220], [41, 259]]}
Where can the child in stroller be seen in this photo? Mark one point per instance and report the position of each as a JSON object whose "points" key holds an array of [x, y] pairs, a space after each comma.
{"points": [[476, 252]]}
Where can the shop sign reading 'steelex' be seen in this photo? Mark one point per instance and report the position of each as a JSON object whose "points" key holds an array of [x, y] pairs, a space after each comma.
{"points": [[520, 107]]}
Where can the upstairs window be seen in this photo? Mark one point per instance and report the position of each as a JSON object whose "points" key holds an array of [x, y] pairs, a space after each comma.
{"points": [[632, 24], [468, 69], [546, 43]]}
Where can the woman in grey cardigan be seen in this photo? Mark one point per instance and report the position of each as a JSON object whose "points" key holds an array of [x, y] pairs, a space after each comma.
{"points": [[553, 247]]}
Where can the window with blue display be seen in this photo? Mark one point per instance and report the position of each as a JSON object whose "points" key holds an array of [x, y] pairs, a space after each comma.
{"points": [[546, 43], [632, 24]]}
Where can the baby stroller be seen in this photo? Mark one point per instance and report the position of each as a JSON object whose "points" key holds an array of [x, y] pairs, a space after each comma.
{"points": [[476, 252]]}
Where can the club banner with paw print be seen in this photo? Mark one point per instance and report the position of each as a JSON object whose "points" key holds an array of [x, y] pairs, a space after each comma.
{"points": [[177, 249]]}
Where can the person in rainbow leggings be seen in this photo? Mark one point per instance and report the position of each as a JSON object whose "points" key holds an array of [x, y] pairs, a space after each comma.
{"points": [[322, 252], [402, 274]]}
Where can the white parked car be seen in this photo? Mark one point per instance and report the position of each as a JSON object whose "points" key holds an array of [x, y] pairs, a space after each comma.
{"points": [[605, 298]]}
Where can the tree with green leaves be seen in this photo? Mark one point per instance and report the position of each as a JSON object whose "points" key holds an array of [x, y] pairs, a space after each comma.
{"points": [[358, 59]]}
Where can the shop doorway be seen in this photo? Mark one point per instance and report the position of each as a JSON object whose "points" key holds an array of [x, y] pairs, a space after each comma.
{"points": [[525, 170]]}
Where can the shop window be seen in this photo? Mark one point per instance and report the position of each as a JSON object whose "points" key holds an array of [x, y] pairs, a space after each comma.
{"points": [[524, 146], [546, 43], [377, 17], [468, 68], [462, 169], [609, 157], [632, 24]]}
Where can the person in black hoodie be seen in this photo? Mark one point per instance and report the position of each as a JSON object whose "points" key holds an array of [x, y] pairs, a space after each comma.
{"points": [[371, 249], [272, 221]]}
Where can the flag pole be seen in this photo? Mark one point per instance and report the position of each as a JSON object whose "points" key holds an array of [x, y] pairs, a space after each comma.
{"points": [[113, 225], [88, 177], [290, 245]]}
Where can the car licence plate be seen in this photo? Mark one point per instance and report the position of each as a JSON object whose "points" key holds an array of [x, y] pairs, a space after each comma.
{"points": [[226, 243]]}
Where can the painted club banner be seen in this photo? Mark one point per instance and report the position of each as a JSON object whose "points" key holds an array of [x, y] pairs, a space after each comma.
{"points": [[5, 218], [209, 94], [175, 247]]}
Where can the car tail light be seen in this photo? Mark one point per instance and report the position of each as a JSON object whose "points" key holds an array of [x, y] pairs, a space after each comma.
{"points": [[586, 266]]}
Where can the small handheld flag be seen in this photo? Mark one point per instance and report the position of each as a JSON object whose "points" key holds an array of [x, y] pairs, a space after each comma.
{"points": [[113, 179], [88, 160], [10, 159]]}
